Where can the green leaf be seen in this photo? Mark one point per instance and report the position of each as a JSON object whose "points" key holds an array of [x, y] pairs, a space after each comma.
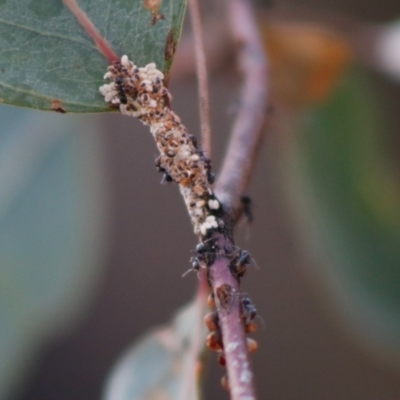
{"points": [[46, 54], [160, 364], [51, 231], [348, 194]]}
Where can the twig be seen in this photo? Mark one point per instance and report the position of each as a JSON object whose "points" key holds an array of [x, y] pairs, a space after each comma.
{"points": [[216, 46], [201, 77], [139, 92], [248, 128], [227, 297], [87, 24], [234, 177]]}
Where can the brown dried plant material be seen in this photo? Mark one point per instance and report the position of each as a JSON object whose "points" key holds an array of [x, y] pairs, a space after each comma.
{"points": [[224, 294], [154, 6], [170, 46], [56, 105]]}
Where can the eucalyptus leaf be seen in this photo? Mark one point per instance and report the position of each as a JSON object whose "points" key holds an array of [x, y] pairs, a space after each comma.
{"points": [[159, 365], [348, 196], [51, 231], [47, 55]]}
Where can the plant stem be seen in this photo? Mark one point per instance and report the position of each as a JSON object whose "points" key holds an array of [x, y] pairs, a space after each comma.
{"points": [[233, 179], [227, 296], [201, 77], [248, 127], [139, 92]]}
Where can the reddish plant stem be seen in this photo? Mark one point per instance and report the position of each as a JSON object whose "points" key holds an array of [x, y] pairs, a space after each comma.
{"points": [[87, 24], [227, 297], [216, 46], [201, 77], [248, 127], [233, 179]]}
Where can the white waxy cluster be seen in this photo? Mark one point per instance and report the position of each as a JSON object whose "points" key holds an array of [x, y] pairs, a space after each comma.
{"points": [[213, 204], [209, 223], [133, 89], [109, 91], [140, 92]]}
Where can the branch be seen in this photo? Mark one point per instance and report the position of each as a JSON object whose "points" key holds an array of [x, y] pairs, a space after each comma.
{"points": [[216, 44], [140, 93], [236, 170], [248, 127], [202, 77], [228, 300]]}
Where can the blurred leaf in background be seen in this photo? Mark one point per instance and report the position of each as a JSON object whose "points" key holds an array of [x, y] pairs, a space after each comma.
{"points": [[354, 194], [51, 202], [159, 366], [52, 219], [345, 189]]}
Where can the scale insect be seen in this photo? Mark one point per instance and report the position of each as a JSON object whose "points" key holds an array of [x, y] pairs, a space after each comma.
{"points": [[121, 91]]}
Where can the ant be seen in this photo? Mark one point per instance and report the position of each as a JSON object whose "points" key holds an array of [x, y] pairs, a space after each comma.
{"points": [[249, 313], [121, 91], [210, 177], [206, 246], [249, 310], [206, 251], [204, 255], [247, 207], [196, 265], [240, 263], [193, 140], [166, 176]]}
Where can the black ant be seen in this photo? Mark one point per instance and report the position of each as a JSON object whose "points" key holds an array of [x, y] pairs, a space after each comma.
{"points": [[210, 177], [247, 207], [249, 313], [166, 176], [248, 309], [193, 140], [240, 263], [196, 265], [121, 91], [206, 246], [206, 251]]}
